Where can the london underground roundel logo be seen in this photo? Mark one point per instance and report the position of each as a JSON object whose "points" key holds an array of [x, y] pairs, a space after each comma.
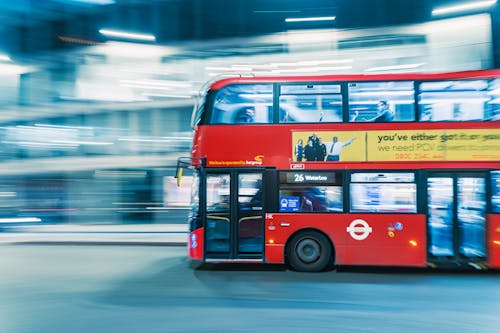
{"points": [[359, 229]]}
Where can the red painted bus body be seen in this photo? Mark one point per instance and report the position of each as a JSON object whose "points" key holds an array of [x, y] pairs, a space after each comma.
{"points": [[364, 238], [384, 246]]}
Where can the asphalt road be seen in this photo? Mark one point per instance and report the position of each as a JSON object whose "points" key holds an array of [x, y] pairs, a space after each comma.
{"points": [[95, 289]]}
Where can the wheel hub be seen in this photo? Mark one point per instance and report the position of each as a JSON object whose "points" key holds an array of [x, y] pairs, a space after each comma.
{"points": [[308, 250]]}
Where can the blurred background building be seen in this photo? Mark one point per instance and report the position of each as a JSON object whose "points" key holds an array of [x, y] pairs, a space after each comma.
{"points": [[96, 95]]}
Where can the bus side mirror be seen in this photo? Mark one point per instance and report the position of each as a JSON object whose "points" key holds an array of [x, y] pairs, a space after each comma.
{"points": [[179, 176]]}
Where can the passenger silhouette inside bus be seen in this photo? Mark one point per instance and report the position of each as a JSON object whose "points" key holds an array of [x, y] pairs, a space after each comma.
{"points": [[245, 115], [426, 113], [384, 114]]}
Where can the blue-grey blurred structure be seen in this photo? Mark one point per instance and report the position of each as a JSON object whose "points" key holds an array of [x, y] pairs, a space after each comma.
{"points": [[96, 95]]}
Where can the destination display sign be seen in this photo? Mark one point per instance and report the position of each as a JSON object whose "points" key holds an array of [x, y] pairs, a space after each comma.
{"points": [[309, 177]]}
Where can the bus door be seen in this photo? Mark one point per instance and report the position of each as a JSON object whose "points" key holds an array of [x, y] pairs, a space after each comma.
{"points": [[456, 214], [234, 215]]}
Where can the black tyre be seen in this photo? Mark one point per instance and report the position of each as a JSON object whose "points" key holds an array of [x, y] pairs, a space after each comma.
{"points": [[309, 251]]}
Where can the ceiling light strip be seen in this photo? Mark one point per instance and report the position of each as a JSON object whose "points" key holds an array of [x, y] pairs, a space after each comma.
{"points": [[463, 7], [127, 35], [310, 19]]}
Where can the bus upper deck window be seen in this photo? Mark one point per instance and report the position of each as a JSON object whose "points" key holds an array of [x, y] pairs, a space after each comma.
{"points": [[494, 103], [310, 103], [243, 103], [381, 101], [458, 100]]}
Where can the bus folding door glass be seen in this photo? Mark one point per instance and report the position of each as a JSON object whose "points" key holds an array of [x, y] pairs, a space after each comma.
{"points": [[440, 216], [310, 198], [310, 103], [471, 210], [250, 212], [495, 191], [250, 191], [243, 103], [218, 213], [381, 101], [194, 214], [386, 192], [455, 101]]}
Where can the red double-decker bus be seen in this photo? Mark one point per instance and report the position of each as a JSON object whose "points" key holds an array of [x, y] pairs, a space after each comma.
{"points": [[320, 171]]}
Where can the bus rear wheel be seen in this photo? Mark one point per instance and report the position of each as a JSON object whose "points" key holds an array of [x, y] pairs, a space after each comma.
{"points": [[309, 251]]}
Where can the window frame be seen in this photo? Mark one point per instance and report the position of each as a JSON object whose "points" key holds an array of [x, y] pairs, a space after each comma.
{"points": [[211, 101], [416, 181], [341, 93], [285, 184], [413, 84], [419, 92]]}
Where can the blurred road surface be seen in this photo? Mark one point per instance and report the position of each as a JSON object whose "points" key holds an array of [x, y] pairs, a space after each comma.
{"points": [[150, 234], [86, 288]]}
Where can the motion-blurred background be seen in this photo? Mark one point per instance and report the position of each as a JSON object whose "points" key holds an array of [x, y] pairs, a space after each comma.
{"points": [[96, 95]]}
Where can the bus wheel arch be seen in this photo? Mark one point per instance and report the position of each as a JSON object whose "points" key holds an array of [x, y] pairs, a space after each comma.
{"points": [[310, 250]]}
